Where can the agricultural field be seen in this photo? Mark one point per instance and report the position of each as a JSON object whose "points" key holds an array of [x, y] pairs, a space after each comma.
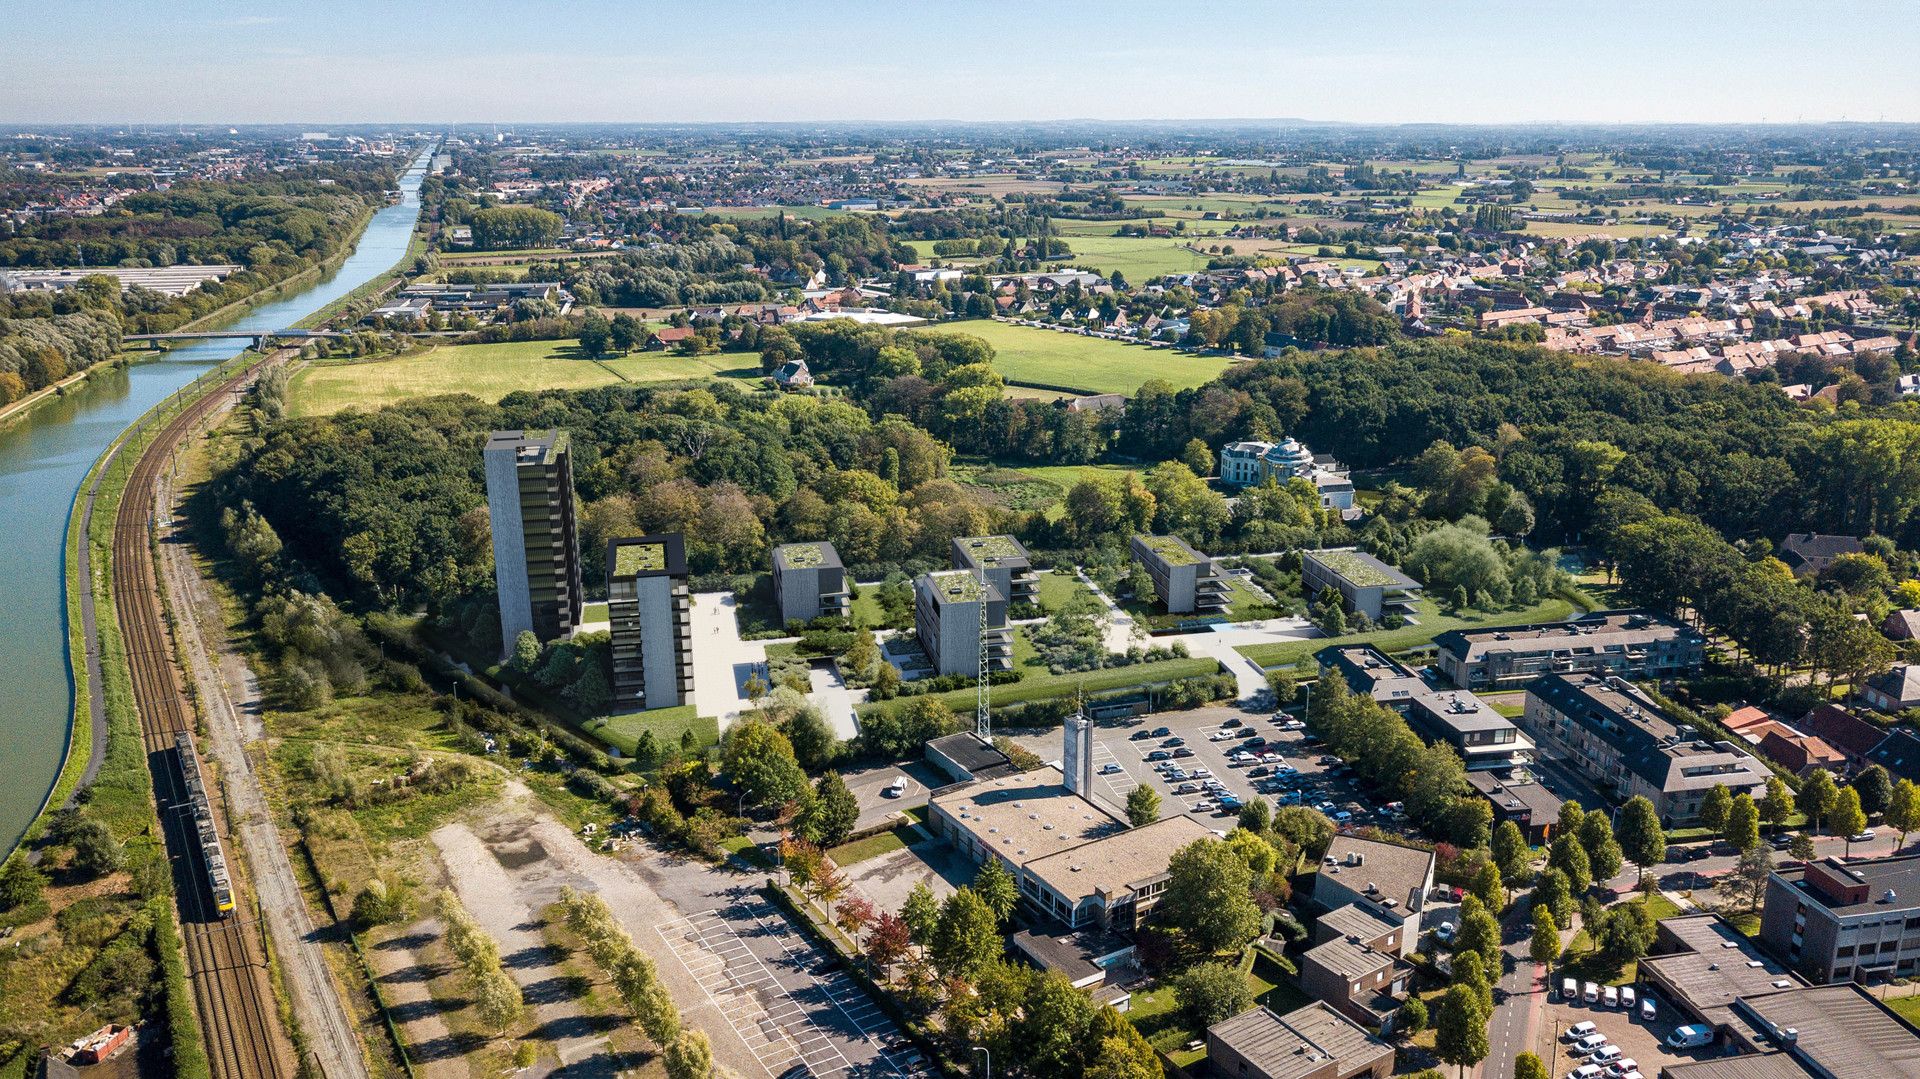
{"points": [[1064, 361], [1140, 258], [490, 372]]}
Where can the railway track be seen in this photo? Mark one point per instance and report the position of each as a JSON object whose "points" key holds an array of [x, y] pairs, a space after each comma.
{"points": [[225, 958]]}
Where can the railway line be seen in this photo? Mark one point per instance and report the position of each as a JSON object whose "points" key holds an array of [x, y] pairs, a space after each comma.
{"points": [[225, 958]]}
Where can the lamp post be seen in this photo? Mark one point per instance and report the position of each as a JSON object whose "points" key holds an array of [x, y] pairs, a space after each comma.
{"points": [[987, 1072]]}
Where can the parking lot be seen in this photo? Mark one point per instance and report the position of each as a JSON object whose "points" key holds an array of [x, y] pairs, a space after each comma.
{"points": [[785, 998], [1193, 765], [1639, 1040]]}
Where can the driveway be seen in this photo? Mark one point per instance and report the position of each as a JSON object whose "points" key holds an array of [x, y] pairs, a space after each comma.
{"points": [[721, 660], [833, 698], [888, 879]]}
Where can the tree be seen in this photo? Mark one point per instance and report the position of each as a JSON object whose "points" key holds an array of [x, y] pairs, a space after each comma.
{"points": [[967, 937], [1802, 847], [1486, 886], [1571, 817], [1743, 822], [21, 884], [1208, 896], [1714, 807], [1748, 879], [496, 997], [1625, 933], [921, 912], [1903, 809], [1479, 932], [1529, 1066], [1777, 804], [1411, 1019], [1470, 968], [995, 887], [1052, 1026], [1210, 992], [1544, 949], [830, 817], [625, 332], [1875, 787], [1603, 850], [1118, 1050], [526, 652], [1569, 857], [1848, 818], [760, 762], [1143, 806], [1460, 1030], [1511, 853], [1818, 795], [595, 336], [1555, 893], [1256, 816], [690, 1056], [1197, 457], [1641, 838], [887, 941], [95, 852]]}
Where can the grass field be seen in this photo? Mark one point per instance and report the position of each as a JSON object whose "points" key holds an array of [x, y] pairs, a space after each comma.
{"points": [[667, 725], [1059, 588], [1089, 364], [1433, 622], [1141, 258], [490, 372], [1038, 683]]}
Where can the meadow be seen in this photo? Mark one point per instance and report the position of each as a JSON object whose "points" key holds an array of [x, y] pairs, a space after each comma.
{"points": [[1050, 359], [490, 372]]}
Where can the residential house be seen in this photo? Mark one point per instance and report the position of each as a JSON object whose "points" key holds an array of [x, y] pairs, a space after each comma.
{"points": [[1311, 1042], [1392, 878], [1807, 553], [1894, 690], [1852, 736], [1902, 625]]}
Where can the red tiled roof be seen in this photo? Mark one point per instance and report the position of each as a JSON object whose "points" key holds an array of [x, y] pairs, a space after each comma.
{"points": [[1842, 729]]}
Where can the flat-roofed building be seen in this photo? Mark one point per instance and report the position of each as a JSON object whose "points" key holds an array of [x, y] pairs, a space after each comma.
{"points": [[1837, 921], [536, 550], [947, 608], [1075, 860], [1000, 561], [1612, 733], [1311, 1042], [651, 619], [1631, 644], [1366, 585], [1483, 737], [1701, 964], [166, 280], [1184, 580], [1519, 797], [809, 581], [1361, 982], [1835, 1031]]}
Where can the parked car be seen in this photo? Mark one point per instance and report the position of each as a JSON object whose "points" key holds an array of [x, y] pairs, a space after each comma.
{"points": [[1293, 725], [1623, 1067], [1109, 769], [1327, 759], [1174, 742], [1231, 722], [1690, 1036], [1160, 732], [1140, 735], [1626, 998], [1200, 807], [1202, 773], [1246, 732], [1588, 1045], [1611, 995], [1590, 993], [1341, 816], [1606, 1054], [1586, 1071], [1183, 751], [1578, 1030], [1158, 755], [1185, 788], [1569, 989], [1219, 736], [1861, 837], [896, 788], [1258, 770], [1444, 932]]}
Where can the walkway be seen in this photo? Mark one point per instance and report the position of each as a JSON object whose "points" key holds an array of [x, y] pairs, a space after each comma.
{"points": [[721, 660]]}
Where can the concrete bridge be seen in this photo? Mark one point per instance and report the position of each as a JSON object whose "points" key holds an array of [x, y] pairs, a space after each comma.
{"points": [[258, 337]]}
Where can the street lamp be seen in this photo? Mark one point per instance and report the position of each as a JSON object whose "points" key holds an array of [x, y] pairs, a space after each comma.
{"points": [[987, 1073]]}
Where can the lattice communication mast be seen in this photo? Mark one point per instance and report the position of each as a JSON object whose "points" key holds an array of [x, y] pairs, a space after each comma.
{"points": [[982, 719]]}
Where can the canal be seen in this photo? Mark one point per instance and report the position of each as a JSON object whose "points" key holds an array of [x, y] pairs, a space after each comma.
{"points": [[43, 457]]}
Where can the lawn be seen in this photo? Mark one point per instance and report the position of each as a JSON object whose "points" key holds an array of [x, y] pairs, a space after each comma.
{"points": [[873, 846], [1059, 588], [593, 612], [1042, 684], [1053, 360], [1432, 623], [1140, 258], [667, 724], [490, 372]]}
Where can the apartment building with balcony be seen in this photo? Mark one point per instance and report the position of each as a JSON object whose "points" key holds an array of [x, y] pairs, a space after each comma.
{"points": [[1000, 561], [1837, 921], [1184, 580], [652, 622], [809, 581], [947, 609], [1366, 585], [536, 549], [1630, 644]]}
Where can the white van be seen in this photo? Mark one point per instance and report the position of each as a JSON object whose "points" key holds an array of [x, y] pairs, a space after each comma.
{"points": [[1648, 1009], [1627, 998], [1592, 993], [1691, 1036], [1612, 996], [1569, 988]]}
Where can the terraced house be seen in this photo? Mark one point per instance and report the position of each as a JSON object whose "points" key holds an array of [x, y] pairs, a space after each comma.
{"points": [[652, 617]]}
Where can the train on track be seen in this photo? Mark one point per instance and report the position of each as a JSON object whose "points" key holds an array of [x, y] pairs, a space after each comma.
{"points": [[218, 881]]}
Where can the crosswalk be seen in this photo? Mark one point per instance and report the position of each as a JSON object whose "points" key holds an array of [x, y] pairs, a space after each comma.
{"points": [[781, 1020]]}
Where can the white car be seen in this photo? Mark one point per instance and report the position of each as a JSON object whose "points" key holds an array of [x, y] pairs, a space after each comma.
{"points": [[1200, 807], [1586, 1071], [1219, 736], [1623, 1067], [1612, 996], [1591, 994], [1109, 769], [897, 788], [1607, 1054], [1862, 837], [1578, 1031], [1589, 1045], [1293, 725], [1201, 773]]}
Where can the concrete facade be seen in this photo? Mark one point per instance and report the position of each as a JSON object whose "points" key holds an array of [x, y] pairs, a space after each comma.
{"points": [[652, 622], [946, 617], [536, 552], [809, 581], [1001, 561], [1184, 580]]}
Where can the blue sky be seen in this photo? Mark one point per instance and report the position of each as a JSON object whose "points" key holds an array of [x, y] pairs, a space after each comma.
{"points": [[1383, 61]]}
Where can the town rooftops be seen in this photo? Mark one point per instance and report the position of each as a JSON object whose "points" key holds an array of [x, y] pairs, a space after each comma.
{"points": [[646, 556], [1172, 550], [1811, 552], [1842, 730], [1027, 815], [967, 750], [1860, 886], [1713, 966], [815, 555], [1363, 920], [1385, 872], [1901, 683], [1348, 958], [1745, 1066], [1596, 630], [992, 551], [1113, 865], [1837, 1030], [1360, 569], [1899, 754], [1515, 791], [1299, 1043]]}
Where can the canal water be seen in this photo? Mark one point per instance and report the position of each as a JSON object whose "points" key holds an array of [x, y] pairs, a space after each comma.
{"points": [[43, 457]]}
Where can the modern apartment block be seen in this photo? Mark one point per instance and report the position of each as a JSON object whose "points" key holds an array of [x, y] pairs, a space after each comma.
{"points": [[536, 550], [1838, 921], [1366, 585], [1483, 737], [1630, 644], [946, 615], [1000, 561], [1611, 732], [652, 622], [809, 581], [1184, 580]]}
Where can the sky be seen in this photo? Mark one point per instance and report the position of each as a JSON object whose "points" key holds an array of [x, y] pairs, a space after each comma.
{"points": [[1384, 61]]}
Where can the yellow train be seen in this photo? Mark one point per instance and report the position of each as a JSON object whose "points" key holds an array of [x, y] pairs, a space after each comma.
{"points": [[218, 882]]}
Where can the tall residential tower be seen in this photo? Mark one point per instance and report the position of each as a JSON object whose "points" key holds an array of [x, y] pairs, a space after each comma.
{"points": [[536, 553], [652, 616]]}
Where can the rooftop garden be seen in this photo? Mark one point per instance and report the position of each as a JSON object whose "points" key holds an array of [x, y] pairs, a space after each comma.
{"points": [[636, 558], [1358, 569], [957, 586], [1171, 549], [993, 549], [804, 555]]}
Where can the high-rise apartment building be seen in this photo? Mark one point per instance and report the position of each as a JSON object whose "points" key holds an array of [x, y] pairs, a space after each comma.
{"points": [[652, 622], [536, 551]]}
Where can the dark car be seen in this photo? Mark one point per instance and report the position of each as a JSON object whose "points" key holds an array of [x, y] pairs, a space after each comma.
{"points": [[1254, 744], [1160, 732], [1246, 732], [1233, 722], [1258, 771], [1173, 742], [1159, 755], [1140, 735], [1182, 752], [824, 966]]}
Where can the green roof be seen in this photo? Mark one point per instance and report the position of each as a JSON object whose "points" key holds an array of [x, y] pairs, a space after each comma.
{"points": [[988, 549], [1172, 550], [804, 555], [637, 558], [1359, 570], [957, 586]]}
